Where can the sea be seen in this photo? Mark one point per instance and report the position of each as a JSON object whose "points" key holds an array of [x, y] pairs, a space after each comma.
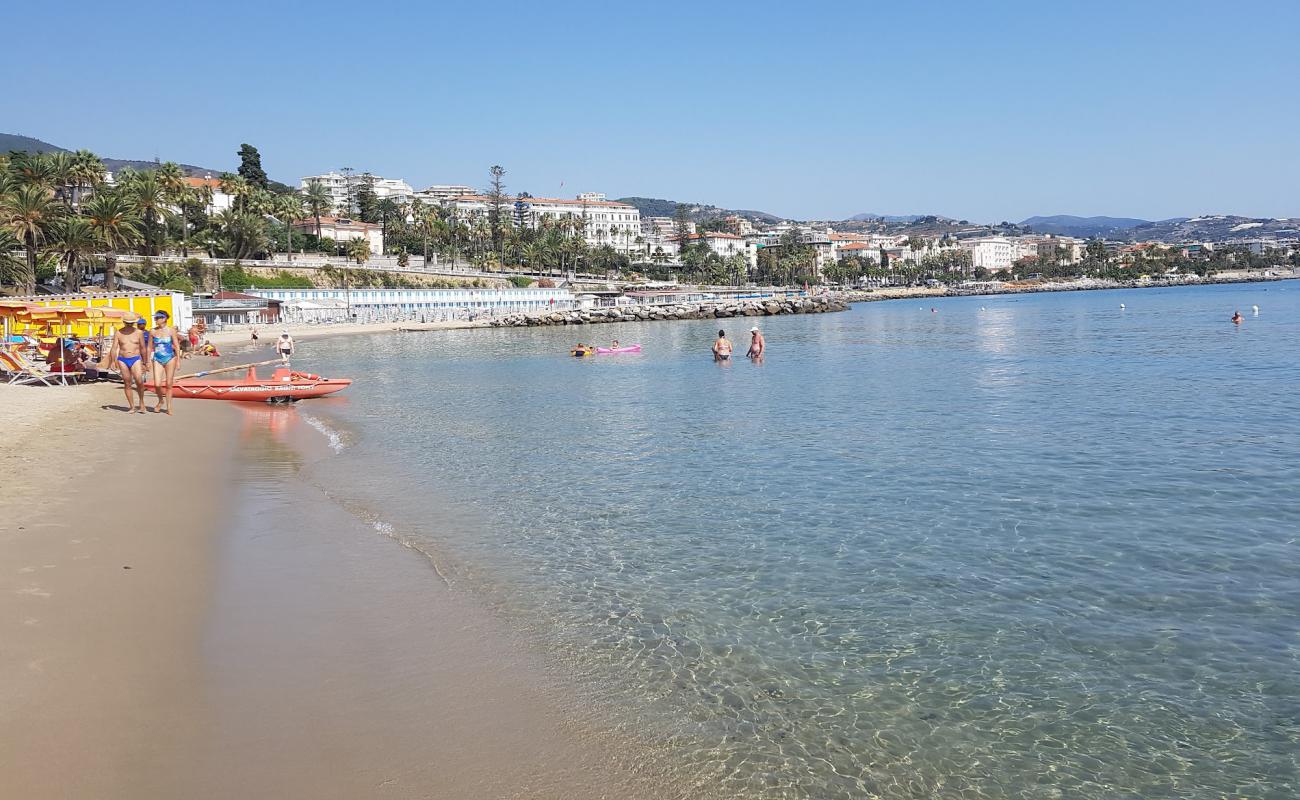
{"points": [[1029, 546]]}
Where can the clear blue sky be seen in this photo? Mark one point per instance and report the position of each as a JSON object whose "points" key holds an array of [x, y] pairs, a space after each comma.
{"points": [[810, 110]]}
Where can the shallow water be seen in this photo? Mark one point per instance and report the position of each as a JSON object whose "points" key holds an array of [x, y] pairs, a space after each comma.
{"points": [[1034, 546]]}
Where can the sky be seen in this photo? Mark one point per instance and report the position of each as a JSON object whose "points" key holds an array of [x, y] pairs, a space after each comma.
{"points": [[982, 111]]}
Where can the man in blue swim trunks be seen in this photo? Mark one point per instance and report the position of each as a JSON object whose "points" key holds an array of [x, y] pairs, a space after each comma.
{"points": [[127, 353]]}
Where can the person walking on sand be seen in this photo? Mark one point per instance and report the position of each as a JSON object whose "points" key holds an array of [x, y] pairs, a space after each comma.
{"points": [[255, 333], [756, 343], [285, 345], [166, 345], [126, 353], [722, 347]]}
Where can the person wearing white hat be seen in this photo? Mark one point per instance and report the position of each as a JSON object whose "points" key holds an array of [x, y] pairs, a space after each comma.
{"points": [[284, 345], [756, 343]]}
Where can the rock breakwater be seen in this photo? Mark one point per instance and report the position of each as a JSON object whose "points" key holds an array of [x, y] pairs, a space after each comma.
{"points": [[703, 310]]}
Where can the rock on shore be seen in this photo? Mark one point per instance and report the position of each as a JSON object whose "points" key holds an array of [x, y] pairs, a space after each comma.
{"points": [[717, 310]]}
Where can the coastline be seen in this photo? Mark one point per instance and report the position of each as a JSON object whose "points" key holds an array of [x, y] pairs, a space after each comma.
{"points": [[300, 332], [228, 629], [106, 584]]}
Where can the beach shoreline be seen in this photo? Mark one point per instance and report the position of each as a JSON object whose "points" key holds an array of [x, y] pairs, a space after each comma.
{"points": [[205, 624]]}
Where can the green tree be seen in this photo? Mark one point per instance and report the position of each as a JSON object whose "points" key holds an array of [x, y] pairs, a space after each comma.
{"points": [[318, 201], [117, 227], [250, 167], [147, 191], [367, 202], [359, 250], [288, 208], [72, 238], [497, 199], [29, 213]]}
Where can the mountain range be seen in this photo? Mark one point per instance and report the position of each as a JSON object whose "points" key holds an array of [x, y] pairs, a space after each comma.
{"points": [[1083, 227], [657, 207], [13, 141]]}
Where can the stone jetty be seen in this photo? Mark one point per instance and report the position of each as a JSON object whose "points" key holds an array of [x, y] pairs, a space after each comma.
{"points": [[723, 309]]}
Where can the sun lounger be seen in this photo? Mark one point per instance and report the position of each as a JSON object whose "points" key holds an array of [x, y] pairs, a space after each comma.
{"points": [[23, 370]]}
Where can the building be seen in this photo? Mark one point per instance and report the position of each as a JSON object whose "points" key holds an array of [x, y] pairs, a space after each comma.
{"points": [[388, 303], [663, 226], [1069, 249], [236, 308], [991, 252], [344, 230], [604, 222], [220, 200], [738, 225], [343, 188], [722, 244], [440, 193]]}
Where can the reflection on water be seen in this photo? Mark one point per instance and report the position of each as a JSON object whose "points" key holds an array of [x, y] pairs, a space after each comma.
{"points": [[1045, 549]]}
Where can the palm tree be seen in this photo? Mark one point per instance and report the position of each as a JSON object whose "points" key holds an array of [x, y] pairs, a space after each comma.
{"points": [[28, 213], [317, 200], [242, 233], [149, 195], [63, 168], [288, 207], [359, 250], [117, 227], [11, 267], [32, 169], [236, 187], [72, 237], [87, 174]]}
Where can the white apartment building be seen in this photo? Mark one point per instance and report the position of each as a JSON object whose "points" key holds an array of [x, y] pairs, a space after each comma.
{"points": [[605, 222], [440, 193], [992, 252], [723, 244], [663, 226], [344, 187]]}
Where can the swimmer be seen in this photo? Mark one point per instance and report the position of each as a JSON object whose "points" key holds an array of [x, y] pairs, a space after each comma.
{"points": [[1236, 318], [722, 347]]}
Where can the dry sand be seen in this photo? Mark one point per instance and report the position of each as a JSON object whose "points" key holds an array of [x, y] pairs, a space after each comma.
{"points": [[168, 631], [268, 333]]}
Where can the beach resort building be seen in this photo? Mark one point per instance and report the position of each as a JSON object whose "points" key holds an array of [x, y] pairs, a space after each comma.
{"points": [[371, 303], [605, 222], [344, 230]]}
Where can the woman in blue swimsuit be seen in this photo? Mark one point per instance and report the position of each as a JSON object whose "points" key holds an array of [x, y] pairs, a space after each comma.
{"points": [[166, 344]]}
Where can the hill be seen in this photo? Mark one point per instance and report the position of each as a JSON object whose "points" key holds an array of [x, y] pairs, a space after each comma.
{"points": [[904, 218], [27, 144], [1083, 227], [1215, 228], [656, 207]]}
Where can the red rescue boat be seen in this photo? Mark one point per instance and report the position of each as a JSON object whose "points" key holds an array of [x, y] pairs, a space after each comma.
{"points": [[284, 385]]}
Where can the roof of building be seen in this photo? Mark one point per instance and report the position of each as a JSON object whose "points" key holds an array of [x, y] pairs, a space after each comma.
{"points": [[713, 235], [213, 183], [556, 201], [856, 246]]}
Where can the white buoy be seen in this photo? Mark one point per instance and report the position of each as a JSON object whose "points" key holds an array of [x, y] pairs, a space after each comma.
{"points": [[1122, 306], [982, 308], [1255, 309]]}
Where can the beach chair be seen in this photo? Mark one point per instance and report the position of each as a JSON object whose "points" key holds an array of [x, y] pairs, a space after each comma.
{"points": [[23, 370]]}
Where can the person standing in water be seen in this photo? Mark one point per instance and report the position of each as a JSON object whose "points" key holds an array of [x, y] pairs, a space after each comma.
{"points": [[126, 353], [1236, 318], [756, 343], [166, 346], [285, 345], [722, 347]]}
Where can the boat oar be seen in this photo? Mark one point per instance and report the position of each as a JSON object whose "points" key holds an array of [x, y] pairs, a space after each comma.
{"points": [[227, 369]]}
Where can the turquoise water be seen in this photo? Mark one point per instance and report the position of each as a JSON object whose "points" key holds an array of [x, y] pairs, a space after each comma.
{"points": [[1034, 546]]}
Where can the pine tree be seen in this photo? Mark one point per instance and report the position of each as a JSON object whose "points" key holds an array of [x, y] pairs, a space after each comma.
{"points": [[250, 167]]}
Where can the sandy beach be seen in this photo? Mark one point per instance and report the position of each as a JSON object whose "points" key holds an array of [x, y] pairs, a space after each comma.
{"points": [[170, 631]]}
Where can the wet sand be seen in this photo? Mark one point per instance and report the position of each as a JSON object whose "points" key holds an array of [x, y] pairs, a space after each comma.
{"points": [[262, 643]]}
